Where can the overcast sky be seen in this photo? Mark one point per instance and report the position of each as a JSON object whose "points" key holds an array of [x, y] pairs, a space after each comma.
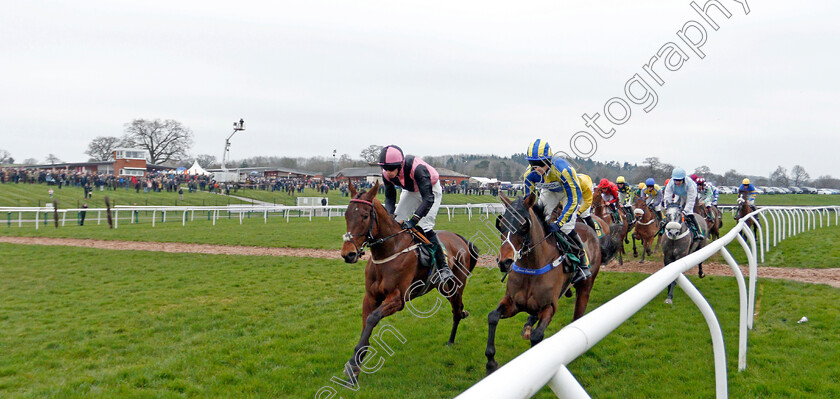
{"points": [[435, 77]]}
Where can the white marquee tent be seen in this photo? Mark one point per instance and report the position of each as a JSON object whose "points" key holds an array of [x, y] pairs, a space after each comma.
{"points": [[196, 169]]}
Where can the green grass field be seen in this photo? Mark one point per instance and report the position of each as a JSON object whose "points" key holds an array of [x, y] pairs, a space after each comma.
{"points": [[813, 249], [73, 197], [81, 323]]}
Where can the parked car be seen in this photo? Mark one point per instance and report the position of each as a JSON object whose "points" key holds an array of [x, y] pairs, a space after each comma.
{"points": [[726, 190], [809, 190], [825, 191], [795, 190]]}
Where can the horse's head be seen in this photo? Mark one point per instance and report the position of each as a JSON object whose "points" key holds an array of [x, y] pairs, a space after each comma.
{"points": [[361, 223], [514, 226], [639, 207], [674, 219]]}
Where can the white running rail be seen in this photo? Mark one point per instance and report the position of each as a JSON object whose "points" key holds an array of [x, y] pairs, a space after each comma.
{"points": [[546, 363]]}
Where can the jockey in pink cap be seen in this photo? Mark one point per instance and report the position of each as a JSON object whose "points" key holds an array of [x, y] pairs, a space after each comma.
{"points": [[419, 200]]}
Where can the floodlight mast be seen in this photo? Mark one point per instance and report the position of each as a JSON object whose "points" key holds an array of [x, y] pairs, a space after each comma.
{"points": [[237, 126]]}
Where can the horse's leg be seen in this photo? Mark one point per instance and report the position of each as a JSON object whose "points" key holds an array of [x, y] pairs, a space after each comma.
{"points": [[645, 249], [700, 270], [635, 253], [503, 311], [458, 313], [529, 325], [582, 290], [389, 306], [545, 316], [669, 299]]}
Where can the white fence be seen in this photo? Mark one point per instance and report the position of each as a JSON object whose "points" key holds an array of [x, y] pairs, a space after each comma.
{"points": [[44, 215], [545, 364]]}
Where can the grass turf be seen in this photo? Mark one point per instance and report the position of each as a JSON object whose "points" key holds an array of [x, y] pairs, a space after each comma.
{"points": [[79, 322]]}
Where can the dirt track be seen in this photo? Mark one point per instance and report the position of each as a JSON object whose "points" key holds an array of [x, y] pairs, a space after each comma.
{"points": [[815, 276]]}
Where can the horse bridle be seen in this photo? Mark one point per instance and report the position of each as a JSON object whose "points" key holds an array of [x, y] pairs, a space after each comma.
{"points": [[370, 240], [526, 238]]}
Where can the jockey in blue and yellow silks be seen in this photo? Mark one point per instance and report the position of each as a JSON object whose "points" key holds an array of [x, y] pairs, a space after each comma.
{"points": [[557, 184], [751, 192]]}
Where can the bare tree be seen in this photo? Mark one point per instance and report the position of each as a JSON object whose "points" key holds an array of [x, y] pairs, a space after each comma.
{"points": [[371, 153], [779, 177], [52, 159], [102, 148], [30, 161], [5, 157], [732, 177], [164, 140], [207, 161], [799, 175], [703, 170]]}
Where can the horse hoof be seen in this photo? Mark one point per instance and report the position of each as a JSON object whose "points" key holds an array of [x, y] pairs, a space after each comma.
{"points": [[356, 370], [464, 315], [526, 333], [668, 301], [701, 274], [491, 367]]}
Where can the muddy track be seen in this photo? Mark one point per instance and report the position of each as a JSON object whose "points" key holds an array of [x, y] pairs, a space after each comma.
{"points": [[815, 276]]}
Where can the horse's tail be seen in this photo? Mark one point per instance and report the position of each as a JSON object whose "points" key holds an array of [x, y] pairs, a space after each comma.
{"points": [[473, 251], [609, 246]]}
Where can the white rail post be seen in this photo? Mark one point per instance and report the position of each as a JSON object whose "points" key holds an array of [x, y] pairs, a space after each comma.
{"points": [[775, 228], [714, 328], [37, 218], [753, 273], [164, 216], [98, 217], [265, 216], [184, 219], [63, 217], [766, 239], [564, 385], [215, 213], [760, 238], [117, 218], [240, 216], [744, 309], [154, 214]]}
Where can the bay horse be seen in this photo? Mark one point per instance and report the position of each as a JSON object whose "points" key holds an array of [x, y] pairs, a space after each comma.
{"points": [[678, 241], [647, 228], [393, 275], [745, 209], [621, 227], [539, 275], [714, 219]]}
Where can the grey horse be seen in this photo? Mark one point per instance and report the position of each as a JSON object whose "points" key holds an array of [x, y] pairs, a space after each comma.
{"points": [[678, 243]]}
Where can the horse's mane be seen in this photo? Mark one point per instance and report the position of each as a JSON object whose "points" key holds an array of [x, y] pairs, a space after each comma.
{"points": [[539, 210]]}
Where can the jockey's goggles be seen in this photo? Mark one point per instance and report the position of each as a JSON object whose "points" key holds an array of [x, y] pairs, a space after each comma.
{"points": [[539, 163], [390, 168]]}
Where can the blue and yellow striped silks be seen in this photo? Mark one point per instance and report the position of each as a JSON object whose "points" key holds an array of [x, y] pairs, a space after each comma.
{"points": [[538, 150], [560, 178]]}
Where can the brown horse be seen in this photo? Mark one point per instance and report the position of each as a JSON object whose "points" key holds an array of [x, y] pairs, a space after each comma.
{"points": [[619, 227], [714, 219], [393, 275], [745, 209], [539, 276], [647, 228]]}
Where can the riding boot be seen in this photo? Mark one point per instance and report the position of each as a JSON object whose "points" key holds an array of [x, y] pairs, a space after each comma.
{"points": [[583, 271], [710, 215], [440, 257], [692, 225], [591, 223]]}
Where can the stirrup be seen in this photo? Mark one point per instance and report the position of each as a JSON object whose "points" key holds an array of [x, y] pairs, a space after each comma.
{"points": [[581, 274], [445, 274]]}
